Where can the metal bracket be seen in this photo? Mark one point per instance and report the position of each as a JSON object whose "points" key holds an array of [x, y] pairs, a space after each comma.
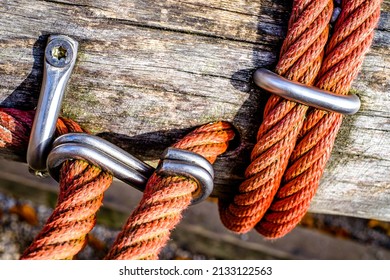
{"points": [[60, 57], [311, 96]]}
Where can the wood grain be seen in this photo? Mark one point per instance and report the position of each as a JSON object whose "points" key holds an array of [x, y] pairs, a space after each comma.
{"points": [[149, 71]]}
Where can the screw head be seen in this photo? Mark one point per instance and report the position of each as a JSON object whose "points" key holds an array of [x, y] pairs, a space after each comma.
{"points": [[59, 53]]}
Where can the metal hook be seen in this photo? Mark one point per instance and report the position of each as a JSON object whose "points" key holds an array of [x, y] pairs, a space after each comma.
{"points": [[126, 167], [99, 152], [311, 96], [60, 57], [188, 156], [188, 164]]}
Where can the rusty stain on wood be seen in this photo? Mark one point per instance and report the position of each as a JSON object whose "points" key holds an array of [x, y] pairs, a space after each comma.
{"points": [[148, 72]]}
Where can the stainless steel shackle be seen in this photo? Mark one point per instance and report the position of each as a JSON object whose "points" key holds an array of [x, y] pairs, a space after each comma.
{"points": [[60, 58]]}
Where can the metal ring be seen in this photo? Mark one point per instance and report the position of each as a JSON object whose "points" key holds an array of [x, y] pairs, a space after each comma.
{"points": [[185, 165], [58, 66], [311, 96], [100, 153]]}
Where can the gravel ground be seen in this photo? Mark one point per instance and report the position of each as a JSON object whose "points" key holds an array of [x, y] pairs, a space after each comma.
{"points": [[18, 228], [21, 220]]}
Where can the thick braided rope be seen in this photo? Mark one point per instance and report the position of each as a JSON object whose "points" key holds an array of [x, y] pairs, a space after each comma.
{"points": [[165, 198], [345, 53], [346, 49], [300, 60], [15, 127], [81, 191]]}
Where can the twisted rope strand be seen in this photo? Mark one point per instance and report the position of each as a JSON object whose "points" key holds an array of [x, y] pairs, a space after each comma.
{"points": [[15, 126], [80, 196], [165, 198], [348, 45], [300, 60]]}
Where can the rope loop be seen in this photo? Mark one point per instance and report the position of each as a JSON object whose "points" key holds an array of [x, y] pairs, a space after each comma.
{"points": [[294, 141]]}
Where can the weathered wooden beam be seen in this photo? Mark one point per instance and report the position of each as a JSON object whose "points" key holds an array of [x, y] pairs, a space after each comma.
{"points": [[149, 71]]}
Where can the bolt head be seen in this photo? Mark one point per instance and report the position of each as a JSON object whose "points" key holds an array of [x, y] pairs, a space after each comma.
{"points": [[59, 53]]}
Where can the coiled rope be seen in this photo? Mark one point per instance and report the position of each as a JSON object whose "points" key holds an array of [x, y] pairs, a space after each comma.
{"points": [[294, 142]]}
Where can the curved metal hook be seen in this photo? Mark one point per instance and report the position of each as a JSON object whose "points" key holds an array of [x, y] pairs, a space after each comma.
{"points": [[101, 153], [191, 165], [107, 147], [311, 96], [188, 156]]}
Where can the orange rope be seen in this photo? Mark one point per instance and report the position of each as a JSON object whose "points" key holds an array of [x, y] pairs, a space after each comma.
{"points": [[15, 126], [351, 40], [81, 193], [148, 228], [294, 142], [80, 196], [300, 60]]}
